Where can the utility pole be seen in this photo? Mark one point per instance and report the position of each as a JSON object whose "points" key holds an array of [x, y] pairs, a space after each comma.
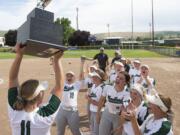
{"points": [[150, 34], [132, 23], [77, 18], [152, 1]]}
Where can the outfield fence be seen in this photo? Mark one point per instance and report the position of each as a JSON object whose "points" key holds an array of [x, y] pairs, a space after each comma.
{"points": [[169, 51]]}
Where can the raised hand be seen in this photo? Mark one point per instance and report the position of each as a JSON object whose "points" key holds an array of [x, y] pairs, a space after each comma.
{"points": [[58, 55], [19, 48]]}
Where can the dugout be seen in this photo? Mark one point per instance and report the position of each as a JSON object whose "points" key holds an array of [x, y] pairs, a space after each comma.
{"points": [[113, 40]]}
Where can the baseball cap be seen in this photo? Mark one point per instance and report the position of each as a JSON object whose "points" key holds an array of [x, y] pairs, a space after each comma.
{"points": [[138, 88], [119, 63], [146, 66], [117, 51], [43, 86], [156, 100], [102, 48], [123, 58], [93, 66], [70, 72], [99, 73], [95, 74], [137, 61]]}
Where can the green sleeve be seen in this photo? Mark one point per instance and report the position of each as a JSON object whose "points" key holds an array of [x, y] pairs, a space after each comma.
{"points": [[165, 128], [50, 108], [12, 96]]}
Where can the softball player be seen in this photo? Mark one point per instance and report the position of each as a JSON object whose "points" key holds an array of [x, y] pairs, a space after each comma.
{"points": [[138, 105], [26, 118], [118, 67], [146, 81], [88, 84], [135, 71], [115, 96], [126, 66], [157, 122], [68, 112], [94, 97]]}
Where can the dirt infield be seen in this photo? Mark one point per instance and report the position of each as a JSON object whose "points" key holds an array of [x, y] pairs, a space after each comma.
{"points": [[166, 71]]}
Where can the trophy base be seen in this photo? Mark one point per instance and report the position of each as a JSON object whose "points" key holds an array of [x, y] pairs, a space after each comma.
{"points": [[42, 49]]}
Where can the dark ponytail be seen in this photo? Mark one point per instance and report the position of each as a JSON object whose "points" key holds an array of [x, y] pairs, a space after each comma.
{"points": [[127, 78], [168, 103]]}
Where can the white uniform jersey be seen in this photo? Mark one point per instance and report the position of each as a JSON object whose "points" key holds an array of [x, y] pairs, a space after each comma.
{"points": [[141, 115], [70, 93], [112, 78], [135, 75], [37, 122], [114, 99], [95, 94], [148, 89], [88, 82], [156, 127]]}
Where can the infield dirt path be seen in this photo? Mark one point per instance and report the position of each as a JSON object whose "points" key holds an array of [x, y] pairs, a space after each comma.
{"points": [[166, 71]]}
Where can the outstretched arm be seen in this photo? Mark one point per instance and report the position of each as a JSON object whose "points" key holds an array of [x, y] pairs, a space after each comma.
{"points": [[59, 75], [14, 70], [81, 75], [90, 59]]}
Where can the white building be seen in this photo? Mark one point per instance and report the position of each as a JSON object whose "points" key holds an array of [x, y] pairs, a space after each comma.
{"points": [[2, 41], [113, 40]]}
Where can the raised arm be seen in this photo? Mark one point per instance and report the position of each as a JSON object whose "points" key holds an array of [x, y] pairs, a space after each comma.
{"points": [[90, 59], [14, 70], [131, 116], [81, 74], [59, 75]]}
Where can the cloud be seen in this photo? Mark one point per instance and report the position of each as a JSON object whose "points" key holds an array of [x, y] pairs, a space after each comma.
{"points": [[95, 15], [13, 18]]}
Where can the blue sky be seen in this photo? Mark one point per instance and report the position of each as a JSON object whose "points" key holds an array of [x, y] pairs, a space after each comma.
{"points": [[94, 15]]}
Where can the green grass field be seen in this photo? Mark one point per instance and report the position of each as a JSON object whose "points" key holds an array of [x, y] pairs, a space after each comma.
{"points": [[91, 53]]}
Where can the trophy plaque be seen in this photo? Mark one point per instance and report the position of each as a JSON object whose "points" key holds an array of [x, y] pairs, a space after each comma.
{"points": [[42, 37]]}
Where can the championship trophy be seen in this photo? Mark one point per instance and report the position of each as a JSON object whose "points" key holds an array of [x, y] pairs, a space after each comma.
{"points": [[41, 36]]}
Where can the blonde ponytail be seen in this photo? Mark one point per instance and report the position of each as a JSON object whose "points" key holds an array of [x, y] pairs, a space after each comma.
{"points": [[19, 104]]}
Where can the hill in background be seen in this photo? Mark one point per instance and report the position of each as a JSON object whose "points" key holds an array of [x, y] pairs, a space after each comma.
{"points": [[127, 35], [2, 33]]}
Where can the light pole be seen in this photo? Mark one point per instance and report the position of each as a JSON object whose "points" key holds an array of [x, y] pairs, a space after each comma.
{"points": [[132, 23], [150, 35], [152, 2], [108, 30], [77, 18]]}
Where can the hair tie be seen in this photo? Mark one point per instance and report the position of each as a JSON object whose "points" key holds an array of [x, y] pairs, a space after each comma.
{"points": [[20, 99]]}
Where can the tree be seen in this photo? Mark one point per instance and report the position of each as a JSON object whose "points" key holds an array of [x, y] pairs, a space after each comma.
{"points": [[79, 38], [67, 29], [11, 37], [138, 39]]}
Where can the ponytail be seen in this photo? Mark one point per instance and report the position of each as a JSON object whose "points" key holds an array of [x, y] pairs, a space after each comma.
{"points": [[168, 103], [170, 116], [127, 78], [19, 104]]}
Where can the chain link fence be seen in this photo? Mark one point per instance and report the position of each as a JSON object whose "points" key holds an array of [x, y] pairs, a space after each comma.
{"points": [[169, 51]]}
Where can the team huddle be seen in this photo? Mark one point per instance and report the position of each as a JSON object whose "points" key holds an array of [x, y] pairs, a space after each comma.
{"points": [[121, 99]]}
